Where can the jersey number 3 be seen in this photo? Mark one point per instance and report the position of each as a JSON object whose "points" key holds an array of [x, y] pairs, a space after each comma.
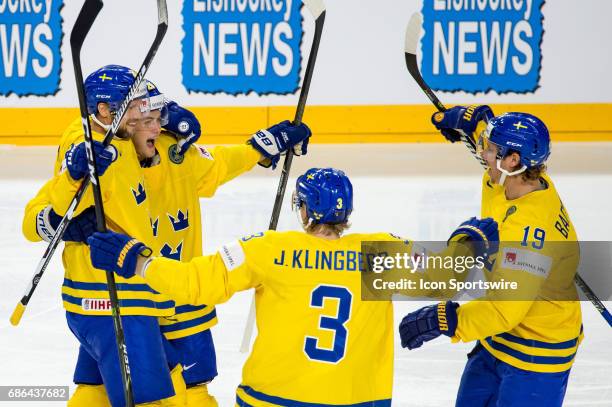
{"points": [[327, 323]]}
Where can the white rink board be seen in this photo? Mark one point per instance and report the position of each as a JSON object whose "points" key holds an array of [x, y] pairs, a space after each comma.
{"points": [[42, 351], [361, 59]]}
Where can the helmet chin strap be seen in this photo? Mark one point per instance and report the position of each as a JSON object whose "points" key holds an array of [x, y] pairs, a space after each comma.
{"points": [[506, 173], [106, 127]]}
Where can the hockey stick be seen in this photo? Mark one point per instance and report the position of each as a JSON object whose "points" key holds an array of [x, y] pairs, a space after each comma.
{"points": [[317, 9], [162, 27], [413, 32], [77, 38], [591, 296]]}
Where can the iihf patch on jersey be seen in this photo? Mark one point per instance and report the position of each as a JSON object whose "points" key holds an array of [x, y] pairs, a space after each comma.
{"points": [[232, 255], [526, 260], [204, 153], [96, 304]]}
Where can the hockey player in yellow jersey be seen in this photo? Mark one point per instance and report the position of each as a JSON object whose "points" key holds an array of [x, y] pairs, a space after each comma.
{"points": [[318, 342], [84, 290], [527, 339], [175, 176], [175, 181]]}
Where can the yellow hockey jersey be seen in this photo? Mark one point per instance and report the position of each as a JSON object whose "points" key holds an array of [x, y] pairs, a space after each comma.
{"points": [[317, 341], [84, 290], [174, 187], [537, 328]]}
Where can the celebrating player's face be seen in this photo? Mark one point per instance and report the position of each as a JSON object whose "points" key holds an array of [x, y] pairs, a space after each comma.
{"points": [[128, 124], [488, 151], [147, 130]]}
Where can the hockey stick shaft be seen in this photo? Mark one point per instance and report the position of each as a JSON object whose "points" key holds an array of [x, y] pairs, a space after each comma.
{"points": [[317, 9], [591, 296], [77, 38], [299, 114], [54, 243], [412, 37], [413, 31]]}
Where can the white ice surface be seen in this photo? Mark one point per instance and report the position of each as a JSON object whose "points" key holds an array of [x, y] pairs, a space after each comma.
{"points": [[42, 351]]}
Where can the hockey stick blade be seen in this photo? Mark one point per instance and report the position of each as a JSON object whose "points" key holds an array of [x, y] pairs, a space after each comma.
{"points": [[411, 44], [83, 23], [317, 9], [413, 33], [162, 27]]}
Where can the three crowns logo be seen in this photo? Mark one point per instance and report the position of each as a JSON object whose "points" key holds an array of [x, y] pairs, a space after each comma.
{"points": [[181, 222], [170, 253], [139, 195], [154, 225]]}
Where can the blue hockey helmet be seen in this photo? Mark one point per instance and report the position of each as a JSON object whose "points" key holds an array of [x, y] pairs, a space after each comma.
{"points": [[109, 84], [327, 194], [520, 132]]}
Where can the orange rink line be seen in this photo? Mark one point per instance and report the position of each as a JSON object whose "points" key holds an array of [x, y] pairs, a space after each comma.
{"points": [[330, 124]]}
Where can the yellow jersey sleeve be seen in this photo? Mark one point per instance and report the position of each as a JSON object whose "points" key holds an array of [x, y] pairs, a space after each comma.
{"points": [[220, 165], [209, 279], [425, 269], [60, 189], [32, 209]]}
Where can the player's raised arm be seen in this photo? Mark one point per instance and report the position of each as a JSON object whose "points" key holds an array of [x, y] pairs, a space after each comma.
{"points": [[475, 239], [208, 280], [264, 148]]}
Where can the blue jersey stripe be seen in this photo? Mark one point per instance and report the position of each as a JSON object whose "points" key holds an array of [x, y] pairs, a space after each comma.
{"points": [[80, 285], [188, 324], [539, 344], [294, 403], [125, 302], [543, 360], [181, 309], [241, 402]]}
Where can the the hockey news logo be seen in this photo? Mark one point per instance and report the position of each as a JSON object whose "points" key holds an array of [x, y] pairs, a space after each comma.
{"points": [[241, 46], [482, 45], [30, 37]]}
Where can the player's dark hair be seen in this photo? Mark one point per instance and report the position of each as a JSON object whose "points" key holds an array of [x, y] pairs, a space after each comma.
{"points": [[534, 174], [530, 174]]}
